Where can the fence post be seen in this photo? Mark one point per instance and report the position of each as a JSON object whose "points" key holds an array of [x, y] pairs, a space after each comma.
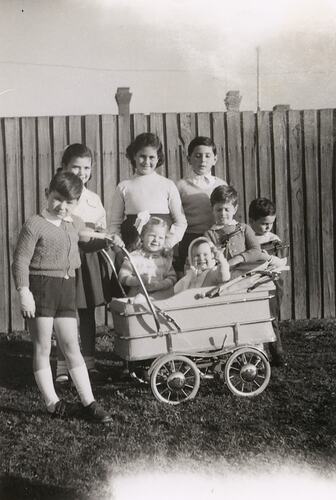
{"points": [[123, 98]]}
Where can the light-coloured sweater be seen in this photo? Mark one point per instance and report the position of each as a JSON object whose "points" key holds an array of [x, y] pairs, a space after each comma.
{"points": [[196, 203], [152, 193], [154, 265]]}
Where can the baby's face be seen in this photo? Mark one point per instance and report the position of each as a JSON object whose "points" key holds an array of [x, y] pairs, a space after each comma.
{"points": [[202, 159], [202, 257], [154, 239], [224, 213], [263, 225]]}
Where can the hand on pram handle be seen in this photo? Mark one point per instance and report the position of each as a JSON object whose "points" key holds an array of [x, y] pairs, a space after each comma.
{"points": [[112, 239]]}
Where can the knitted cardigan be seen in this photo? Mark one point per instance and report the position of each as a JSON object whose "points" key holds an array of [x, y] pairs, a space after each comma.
{"points": [[48, 250]]}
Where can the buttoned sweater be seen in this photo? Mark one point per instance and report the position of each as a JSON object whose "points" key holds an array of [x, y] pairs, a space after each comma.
{"points": [[48, 250]]}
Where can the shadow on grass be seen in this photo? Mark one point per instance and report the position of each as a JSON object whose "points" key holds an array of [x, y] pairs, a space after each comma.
{"points": [[17, 488], [16, 365], [16, 360]]}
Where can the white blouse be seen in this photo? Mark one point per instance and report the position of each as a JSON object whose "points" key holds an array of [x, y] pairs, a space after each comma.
{"points": [[91, 210]]}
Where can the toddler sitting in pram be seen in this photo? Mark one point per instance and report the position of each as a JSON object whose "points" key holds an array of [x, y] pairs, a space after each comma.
{"points": [[208, 266]]}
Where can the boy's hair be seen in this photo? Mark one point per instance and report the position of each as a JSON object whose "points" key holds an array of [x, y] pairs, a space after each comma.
{"points": [[142, 141], [154, 222], [224, 194], [67, 184], [201, 141], [75, 150], [261, 207]]}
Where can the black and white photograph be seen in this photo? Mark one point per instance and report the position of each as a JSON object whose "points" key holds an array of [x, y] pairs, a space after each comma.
{"points": [[167, 249]]}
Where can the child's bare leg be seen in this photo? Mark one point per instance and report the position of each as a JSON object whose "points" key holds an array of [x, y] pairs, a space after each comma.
{"points": [[61, 368], [66, 332], [40, 330]]}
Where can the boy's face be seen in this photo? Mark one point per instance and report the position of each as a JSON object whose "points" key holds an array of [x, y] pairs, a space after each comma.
{"points": [[202, 257], [154, 239], [81, 167], [202, 159], [58, 206], [224, 213], [263, 225]]}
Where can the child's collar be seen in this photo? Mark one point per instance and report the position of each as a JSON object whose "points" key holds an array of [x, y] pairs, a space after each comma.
{"points": [[53, 219], [220, 226]]}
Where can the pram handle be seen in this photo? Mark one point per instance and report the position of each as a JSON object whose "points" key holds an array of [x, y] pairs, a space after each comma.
{"points": [[144, 291]]}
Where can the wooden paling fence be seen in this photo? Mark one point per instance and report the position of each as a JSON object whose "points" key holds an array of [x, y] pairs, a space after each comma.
{"points": [[287, 156]]}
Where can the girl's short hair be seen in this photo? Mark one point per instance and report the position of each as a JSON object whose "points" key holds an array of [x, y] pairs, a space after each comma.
{"points": [[155, 222], [261, 207], [142, 141], [224, 194], [75, 150], [201, 141], [67, 184]]}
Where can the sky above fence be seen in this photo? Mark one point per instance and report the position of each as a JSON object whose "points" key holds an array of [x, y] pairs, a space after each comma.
{"points": [[69, 56]]}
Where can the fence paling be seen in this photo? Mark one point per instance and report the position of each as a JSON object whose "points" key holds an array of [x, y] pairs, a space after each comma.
{"points": [[326, 137], [312, 213], [287, 156], [281, 198]]}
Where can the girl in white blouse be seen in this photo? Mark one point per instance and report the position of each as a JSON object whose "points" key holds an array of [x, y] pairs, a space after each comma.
{"points": [[93, 285]]}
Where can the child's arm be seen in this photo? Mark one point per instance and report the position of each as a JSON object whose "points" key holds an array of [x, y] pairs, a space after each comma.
{"points": [[117, 211], [126, 275], [22, 257], [179, 225], [253, 251], [88, 239], [223, 268]]}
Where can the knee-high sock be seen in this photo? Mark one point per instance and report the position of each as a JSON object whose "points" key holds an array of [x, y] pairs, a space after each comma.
{"points": [[81, 379], [45, 384]]}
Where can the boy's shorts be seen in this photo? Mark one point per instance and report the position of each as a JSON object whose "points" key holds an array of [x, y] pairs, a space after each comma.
{"points": [[54, 297]]}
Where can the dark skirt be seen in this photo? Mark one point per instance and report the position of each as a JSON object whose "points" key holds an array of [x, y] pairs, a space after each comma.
{"points": [[130, 235], [93, 281]]}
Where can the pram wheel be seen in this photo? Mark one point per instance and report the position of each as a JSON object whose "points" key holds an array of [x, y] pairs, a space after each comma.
{"points": [[175, 379], [247, 372]]}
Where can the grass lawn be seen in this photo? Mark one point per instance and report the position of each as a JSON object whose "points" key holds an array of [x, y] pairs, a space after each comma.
{"points": [[294, 419]]}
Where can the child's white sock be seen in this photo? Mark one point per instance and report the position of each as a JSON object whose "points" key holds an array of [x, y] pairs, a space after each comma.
{"points": [[90, 362], [45, 384], [80, 378], [61, 368]]}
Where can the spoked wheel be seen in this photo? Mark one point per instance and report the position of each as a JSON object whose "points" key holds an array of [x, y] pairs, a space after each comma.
{"points": [[247, 372], [175, 379]]}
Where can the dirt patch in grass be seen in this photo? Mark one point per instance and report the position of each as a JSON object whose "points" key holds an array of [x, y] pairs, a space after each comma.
{"points": [[293, 419]]}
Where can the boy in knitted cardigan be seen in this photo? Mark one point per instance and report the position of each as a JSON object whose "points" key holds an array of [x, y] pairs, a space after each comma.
{"points": [[45, 260]]}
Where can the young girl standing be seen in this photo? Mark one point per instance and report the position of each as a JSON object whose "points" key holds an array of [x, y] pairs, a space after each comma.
{"points": [[93, 286], [153, 263], [146, 191], [44, 265]]}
